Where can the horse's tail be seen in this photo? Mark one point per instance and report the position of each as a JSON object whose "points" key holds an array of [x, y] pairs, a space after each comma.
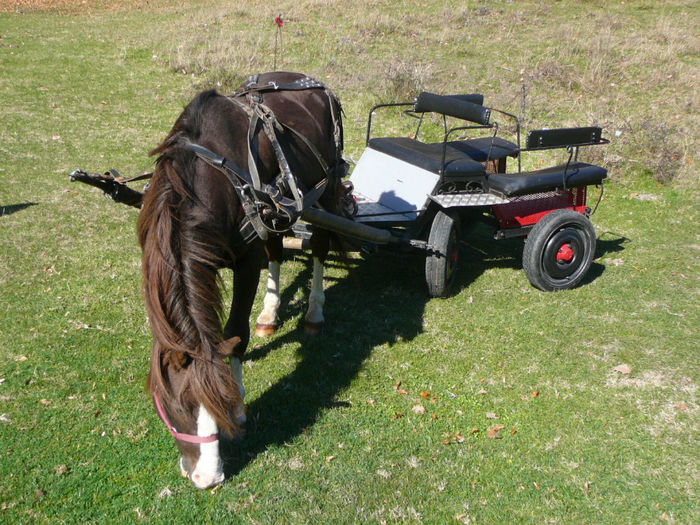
{"points": [[180, 261]]}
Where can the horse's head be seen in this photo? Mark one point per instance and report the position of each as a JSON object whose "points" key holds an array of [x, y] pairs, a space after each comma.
{"points": [[201, 405]]}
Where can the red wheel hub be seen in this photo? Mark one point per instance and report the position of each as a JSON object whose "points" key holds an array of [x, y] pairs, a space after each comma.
{"points": [[565, 254]]}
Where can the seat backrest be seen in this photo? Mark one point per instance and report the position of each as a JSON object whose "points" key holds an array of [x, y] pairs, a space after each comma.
{"points": [[457, 106], [474, 98], [563, 137]]}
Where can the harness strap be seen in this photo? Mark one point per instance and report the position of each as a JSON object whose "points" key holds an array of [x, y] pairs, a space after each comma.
{"points": [[259, 113], [251, 85], [250, 198]]}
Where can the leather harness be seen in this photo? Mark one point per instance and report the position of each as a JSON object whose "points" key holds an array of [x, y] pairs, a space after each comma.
{"points": [[273, 208]]}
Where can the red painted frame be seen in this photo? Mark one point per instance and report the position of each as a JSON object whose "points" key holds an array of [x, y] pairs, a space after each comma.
{"points": [[529, 209]]}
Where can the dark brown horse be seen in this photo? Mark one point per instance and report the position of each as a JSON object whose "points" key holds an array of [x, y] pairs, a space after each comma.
{"points": [[189, 228]]}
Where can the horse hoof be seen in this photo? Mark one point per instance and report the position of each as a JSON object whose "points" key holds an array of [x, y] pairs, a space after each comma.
{"points": [[312, 328], [265, 330]]}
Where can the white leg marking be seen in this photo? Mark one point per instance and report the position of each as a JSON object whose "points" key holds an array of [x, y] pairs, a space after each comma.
{"points": [[316, 298], [237, 373], [209, 469], [271, 302]]}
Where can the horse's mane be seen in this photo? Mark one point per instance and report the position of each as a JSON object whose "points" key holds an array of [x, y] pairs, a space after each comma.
{"points": [[181, 257]]}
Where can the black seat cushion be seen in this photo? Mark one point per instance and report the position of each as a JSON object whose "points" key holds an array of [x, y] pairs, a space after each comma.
{"points": [[577, 174], [484, 148], [428, 156]]}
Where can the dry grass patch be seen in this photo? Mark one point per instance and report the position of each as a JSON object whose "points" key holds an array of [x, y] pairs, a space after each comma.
{"points": [[87, 6]]}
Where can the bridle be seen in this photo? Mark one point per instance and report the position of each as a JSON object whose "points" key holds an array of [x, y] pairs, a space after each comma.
{"points": [[188, 438]]}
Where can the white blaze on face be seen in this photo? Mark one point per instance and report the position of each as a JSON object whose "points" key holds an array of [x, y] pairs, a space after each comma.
{"points": [[209, 469]]}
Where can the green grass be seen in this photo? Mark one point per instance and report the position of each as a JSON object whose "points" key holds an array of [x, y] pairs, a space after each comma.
{"points": [[331, 437]]}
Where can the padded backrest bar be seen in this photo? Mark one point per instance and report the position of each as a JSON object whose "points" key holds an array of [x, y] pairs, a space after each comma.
{"points": [[474, 98], [453, 107], [563, 137]]}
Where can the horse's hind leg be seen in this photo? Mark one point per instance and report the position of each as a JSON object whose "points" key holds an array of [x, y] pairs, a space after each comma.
{"points": [[266, 323], [320, 242]]}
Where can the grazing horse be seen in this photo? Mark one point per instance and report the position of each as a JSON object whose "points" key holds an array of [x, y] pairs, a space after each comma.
{"points": [[191, 226]]}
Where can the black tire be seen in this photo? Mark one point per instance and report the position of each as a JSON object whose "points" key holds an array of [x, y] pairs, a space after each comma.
{"points": [[559, 250], [441, 264]]}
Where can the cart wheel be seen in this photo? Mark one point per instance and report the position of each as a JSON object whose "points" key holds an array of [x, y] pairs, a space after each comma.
{"points": [[441, 264], [559, 250]]}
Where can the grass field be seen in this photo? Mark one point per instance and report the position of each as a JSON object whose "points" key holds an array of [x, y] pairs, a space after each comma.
{"points": [[388, 415]]}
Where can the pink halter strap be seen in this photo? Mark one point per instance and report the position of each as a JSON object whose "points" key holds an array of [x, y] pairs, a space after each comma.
{"points": [[189, 438]]}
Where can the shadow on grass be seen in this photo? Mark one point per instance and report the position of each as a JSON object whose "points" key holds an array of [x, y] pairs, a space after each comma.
{"points": [[480, 252], [13, 208], [373, 305], [382, 299]]}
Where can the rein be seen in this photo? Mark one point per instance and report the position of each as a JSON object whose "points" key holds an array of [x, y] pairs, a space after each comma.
{"points": [[188, 438]]}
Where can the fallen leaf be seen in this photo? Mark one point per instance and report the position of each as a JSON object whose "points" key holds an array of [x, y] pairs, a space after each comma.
{"points": [[329, 459], [512, 432], [493, 432], [474, 431], [424, 394], [402, 391], [682, 407], [491, 415], [370, 402], [535, 393], [61, 469], [483, 392], [396, 386], [22, 358], [45, 402], [623, 369], [418, 409], [397, 415], [586, 487]]}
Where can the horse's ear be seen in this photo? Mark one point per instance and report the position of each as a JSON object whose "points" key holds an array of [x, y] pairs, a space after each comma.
{"points": [[226, 347], [178, 360]]}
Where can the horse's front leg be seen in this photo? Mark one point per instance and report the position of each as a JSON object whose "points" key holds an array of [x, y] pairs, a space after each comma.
{"points": [[246, 274], [266, 323], [320, 242]]}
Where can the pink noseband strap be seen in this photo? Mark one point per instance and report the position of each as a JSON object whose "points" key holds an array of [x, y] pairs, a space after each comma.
{"points": [[189, 438]]}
